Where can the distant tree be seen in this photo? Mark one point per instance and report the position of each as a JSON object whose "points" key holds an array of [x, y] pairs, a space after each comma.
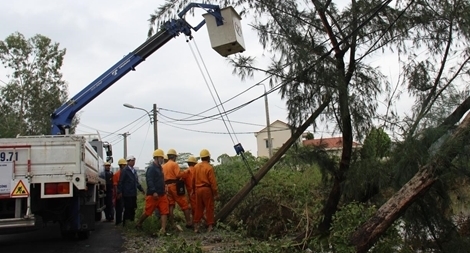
{"points": [[34, 88], [224, 159], [309, 136], [376, 145], [182, 158]]}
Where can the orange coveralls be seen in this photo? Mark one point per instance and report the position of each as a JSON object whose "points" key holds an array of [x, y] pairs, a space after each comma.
{"points": [[205, 186], [188, 181], [115, 184], [171, 171]]}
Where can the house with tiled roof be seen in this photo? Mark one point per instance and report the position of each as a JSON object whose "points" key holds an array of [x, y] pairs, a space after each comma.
{"points": [[333, 145]]}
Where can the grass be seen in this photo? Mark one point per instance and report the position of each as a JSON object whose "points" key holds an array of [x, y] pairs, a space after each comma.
{"points": [[278, 208]]}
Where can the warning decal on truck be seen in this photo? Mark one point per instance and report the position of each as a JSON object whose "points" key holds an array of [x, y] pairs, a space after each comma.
{"points": [[20, 190]]}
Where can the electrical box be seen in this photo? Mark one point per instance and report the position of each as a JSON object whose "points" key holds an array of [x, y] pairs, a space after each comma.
{"points": [[226, 39]]}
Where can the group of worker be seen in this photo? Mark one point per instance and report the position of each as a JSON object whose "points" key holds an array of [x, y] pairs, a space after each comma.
{"points": [[194, 190]]}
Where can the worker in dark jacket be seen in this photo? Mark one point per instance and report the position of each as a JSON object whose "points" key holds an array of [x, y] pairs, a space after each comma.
{"points": [[107, 175], [127, 189], [156, 198], [118, 204]]}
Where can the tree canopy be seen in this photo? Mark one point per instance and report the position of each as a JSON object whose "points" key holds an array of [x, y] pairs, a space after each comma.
{"points": [[34, 85]]}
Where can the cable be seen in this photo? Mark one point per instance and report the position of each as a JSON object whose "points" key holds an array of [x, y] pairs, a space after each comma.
{"points": [[115, 132], [230, 99], [92, 128], [221, 133], [145, 120], [233, 109], [212, 95], [217, 93], [212, 119], [145, 139]]}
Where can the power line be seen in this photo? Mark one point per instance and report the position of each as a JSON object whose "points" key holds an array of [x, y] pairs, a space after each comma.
{"points": [[198, 123], [210, 91], [214, 132], [115, 132], [92, 128]]}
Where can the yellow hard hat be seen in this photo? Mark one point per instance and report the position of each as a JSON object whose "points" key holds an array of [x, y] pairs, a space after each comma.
{"points": [[204, 153], [107, 164], [171, 152], [191, 159], [122, 161], [158, 153], [165, 157]]}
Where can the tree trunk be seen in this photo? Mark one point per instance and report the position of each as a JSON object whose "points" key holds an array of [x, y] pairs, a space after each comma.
{"points": [[369, 232]]}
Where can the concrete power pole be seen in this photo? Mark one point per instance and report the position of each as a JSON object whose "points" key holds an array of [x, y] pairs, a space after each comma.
{"points": [[268, 124], [155, 127], [124, 135]]}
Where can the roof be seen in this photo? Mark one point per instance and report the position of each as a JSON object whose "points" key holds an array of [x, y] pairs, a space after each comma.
{"points": [[328, 143], [275, 122]]}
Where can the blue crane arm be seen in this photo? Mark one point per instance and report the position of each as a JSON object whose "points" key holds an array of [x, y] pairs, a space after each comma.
{"points": [[63, 116]]}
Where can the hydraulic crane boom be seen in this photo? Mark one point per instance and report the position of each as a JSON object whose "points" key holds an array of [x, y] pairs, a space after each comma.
{"points": [[62, 117]]}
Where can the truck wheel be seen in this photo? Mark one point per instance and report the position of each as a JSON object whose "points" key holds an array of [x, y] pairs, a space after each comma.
{"points": [[83, 235], [98, 216]]}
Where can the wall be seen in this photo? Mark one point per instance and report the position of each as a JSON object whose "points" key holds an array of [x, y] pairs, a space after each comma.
{"points": [[278, 135]]}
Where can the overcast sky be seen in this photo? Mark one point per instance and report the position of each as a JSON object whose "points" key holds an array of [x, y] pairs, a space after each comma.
{"points": [[97, 34]]}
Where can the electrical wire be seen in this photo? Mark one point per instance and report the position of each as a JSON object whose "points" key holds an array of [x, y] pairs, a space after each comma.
{"points": [[116, 132], [92, 128], [215, 90], [232, 98], [198, 123], [210, 91], [213, 132], [145, 139]]}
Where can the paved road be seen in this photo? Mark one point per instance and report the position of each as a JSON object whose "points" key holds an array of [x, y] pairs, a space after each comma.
{"points": [[105, 239]]}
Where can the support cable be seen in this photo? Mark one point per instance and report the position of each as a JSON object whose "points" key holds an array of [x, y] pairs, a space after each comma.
{"points": [[215, 90], [210, 91], [238, 146]]}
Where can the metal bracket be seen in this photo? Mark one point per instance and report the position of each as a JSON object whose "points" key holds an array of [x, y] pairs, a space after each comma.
{"points": [[210, 8]]}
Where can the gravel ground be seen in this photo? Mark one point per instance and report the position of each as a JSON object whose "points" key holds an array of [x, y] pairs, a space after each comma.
{"points": [[217, 241]]}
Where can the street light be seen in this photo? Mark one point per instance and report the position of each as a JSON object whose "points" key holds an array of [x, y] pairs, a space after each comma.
{"points": [[153, 120], [268, 123]]}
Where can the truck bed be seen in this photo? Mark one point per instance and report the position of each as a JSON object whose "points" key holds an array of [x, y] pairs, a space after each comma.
{"points": [[40, 159]]}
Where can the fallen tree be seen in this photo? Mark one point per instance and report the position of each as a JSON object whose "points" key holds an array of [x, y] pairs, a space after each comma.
{"points": [[369, 232]]}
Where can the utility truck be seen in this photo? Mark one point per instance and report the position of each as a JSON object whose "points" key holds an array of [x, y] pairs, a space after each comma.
{"points": [[55, 178]]}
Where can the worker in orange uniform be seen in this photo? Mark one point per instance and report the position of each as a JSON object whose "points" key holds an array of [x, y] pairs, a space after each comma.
{"points": [[156, 195], [205, 186], [173, 176], [118, 204], [188, 181]]}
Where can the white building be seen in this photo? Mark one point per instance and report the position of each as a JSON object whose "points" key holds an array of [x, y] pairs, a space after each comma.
{"points": [[280, 133]]}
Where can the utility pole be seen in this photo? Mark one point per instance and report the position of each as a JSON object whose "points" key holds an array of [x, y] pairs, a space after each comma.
{"points": [[268, 122], [124, 135], [153, 120], [155, 127]]}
